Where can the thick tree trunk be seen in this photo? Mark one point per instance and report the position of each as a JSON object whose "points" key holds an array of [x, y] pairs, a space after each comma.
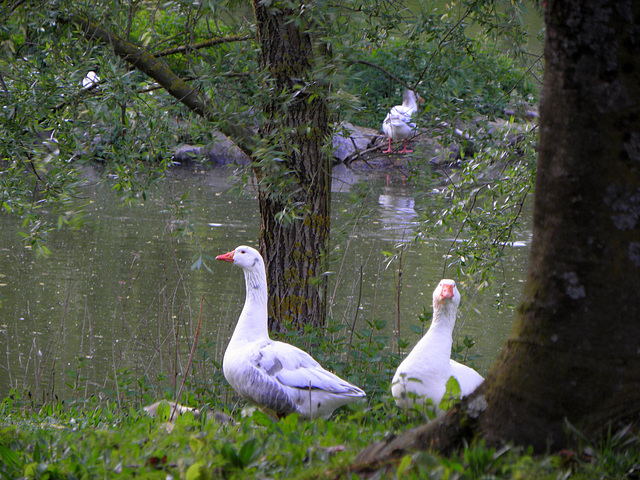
{"points": [[574, 354], [575, 351], [294, 177]]}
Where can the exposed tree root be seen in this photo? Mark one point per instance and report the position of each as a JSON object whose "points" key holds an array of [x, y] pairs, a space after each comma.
{"points": [[443, 435]]}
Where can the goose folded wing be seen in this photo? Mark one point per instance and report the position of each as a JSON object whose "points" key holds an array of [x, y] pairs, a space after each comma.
{"points": [[295, 368], [401, 113], [260, 386]]}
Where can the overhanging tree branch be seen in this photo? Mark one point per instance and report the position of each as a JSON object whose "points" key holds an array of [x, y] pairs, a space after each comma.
{"points": [[178, 88], [385, 71], [206, 43]]}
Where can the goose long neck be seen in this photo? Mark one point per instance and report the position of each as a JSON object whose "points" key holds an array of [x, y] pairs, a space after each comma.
{"points": [[438, 340], [252, 324], [444, 318], [411, 105], [409, 102], [256, 282]]}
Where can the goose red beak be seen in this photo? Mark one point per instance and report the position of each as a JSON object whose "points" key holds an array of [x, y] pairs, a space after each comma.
{"points": [[227, 257], [447, 291]]}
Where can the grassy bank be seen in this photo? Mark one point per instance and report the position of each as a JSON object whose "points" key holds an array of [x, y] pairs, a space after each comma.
{"points": [[97, 439]]}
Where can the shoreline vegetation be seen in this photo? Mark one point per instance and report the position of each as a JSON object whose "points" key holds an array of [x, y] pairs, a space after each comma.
{"points": [[99, 439]]}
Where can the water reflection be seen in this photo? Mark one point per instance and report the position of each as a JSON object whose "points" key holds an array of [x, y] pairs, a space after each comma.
{"points": [[397, 213], [119, 298]]}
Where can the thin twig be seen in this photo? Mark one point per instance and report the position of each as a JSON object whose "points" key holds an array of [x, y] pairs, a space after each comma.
{"points": [[353, 324], [386, 72], [453, 242], [207, 43], [344, 256], [522, 77], [397, 330], [440, 43], [193, 349]]}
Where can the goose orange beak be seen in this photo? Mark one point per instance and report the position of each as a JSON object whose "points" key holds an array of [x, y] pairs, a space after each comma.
{"points": [[227, 257], [447, 291]]}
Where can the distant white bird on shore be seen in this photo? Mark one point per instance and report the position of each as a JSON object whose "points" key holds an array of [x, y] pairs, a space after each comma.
{"points": [[397, 124], [90, 80]]}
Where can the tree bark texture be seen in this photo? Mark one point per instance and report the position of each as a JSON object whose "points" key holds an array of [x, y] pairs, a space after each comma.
{"points": [[575, 350], [297, 178], [574, 353]]}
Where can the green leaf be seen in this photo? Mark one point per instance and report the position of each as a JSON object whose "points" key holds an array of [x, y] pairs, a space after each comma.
{"points": [[198, 471], [247, 451], [451, 395], [229, 453], [404, 465], [9, 457], [164, 411], [415, 329], [197, 264], [262, 419]]}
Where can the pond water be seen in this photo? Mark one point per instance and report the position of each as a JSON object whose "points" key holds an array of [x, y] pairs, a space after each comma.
{"points": [[120, 293]]}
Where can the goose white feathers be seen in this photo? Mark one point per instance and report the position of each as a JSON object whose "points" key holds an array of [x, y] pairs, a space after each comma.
{"points": [[397, 124], [425, 371], [275, 376]]}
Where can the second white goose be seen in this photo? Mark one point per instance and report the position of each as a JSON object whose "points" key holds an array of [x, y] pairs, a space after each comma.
{"points": [[275, 376], [424, 373]]}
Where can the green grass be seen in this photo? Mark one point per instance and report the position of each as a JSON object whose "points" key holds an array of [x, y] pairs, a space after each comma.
{"points": [[98, 440]]}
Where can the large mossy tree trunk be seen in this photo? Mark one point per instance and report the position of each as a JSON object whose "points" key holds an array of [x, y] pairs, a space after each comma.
{"points": [[292, 169], [574, 353]]}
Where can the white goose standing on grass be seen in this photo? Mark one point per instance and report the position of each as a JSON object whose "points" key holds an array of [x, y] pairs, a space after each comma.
{"points": [[397, 124], [275, 376], [425, 371]]}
